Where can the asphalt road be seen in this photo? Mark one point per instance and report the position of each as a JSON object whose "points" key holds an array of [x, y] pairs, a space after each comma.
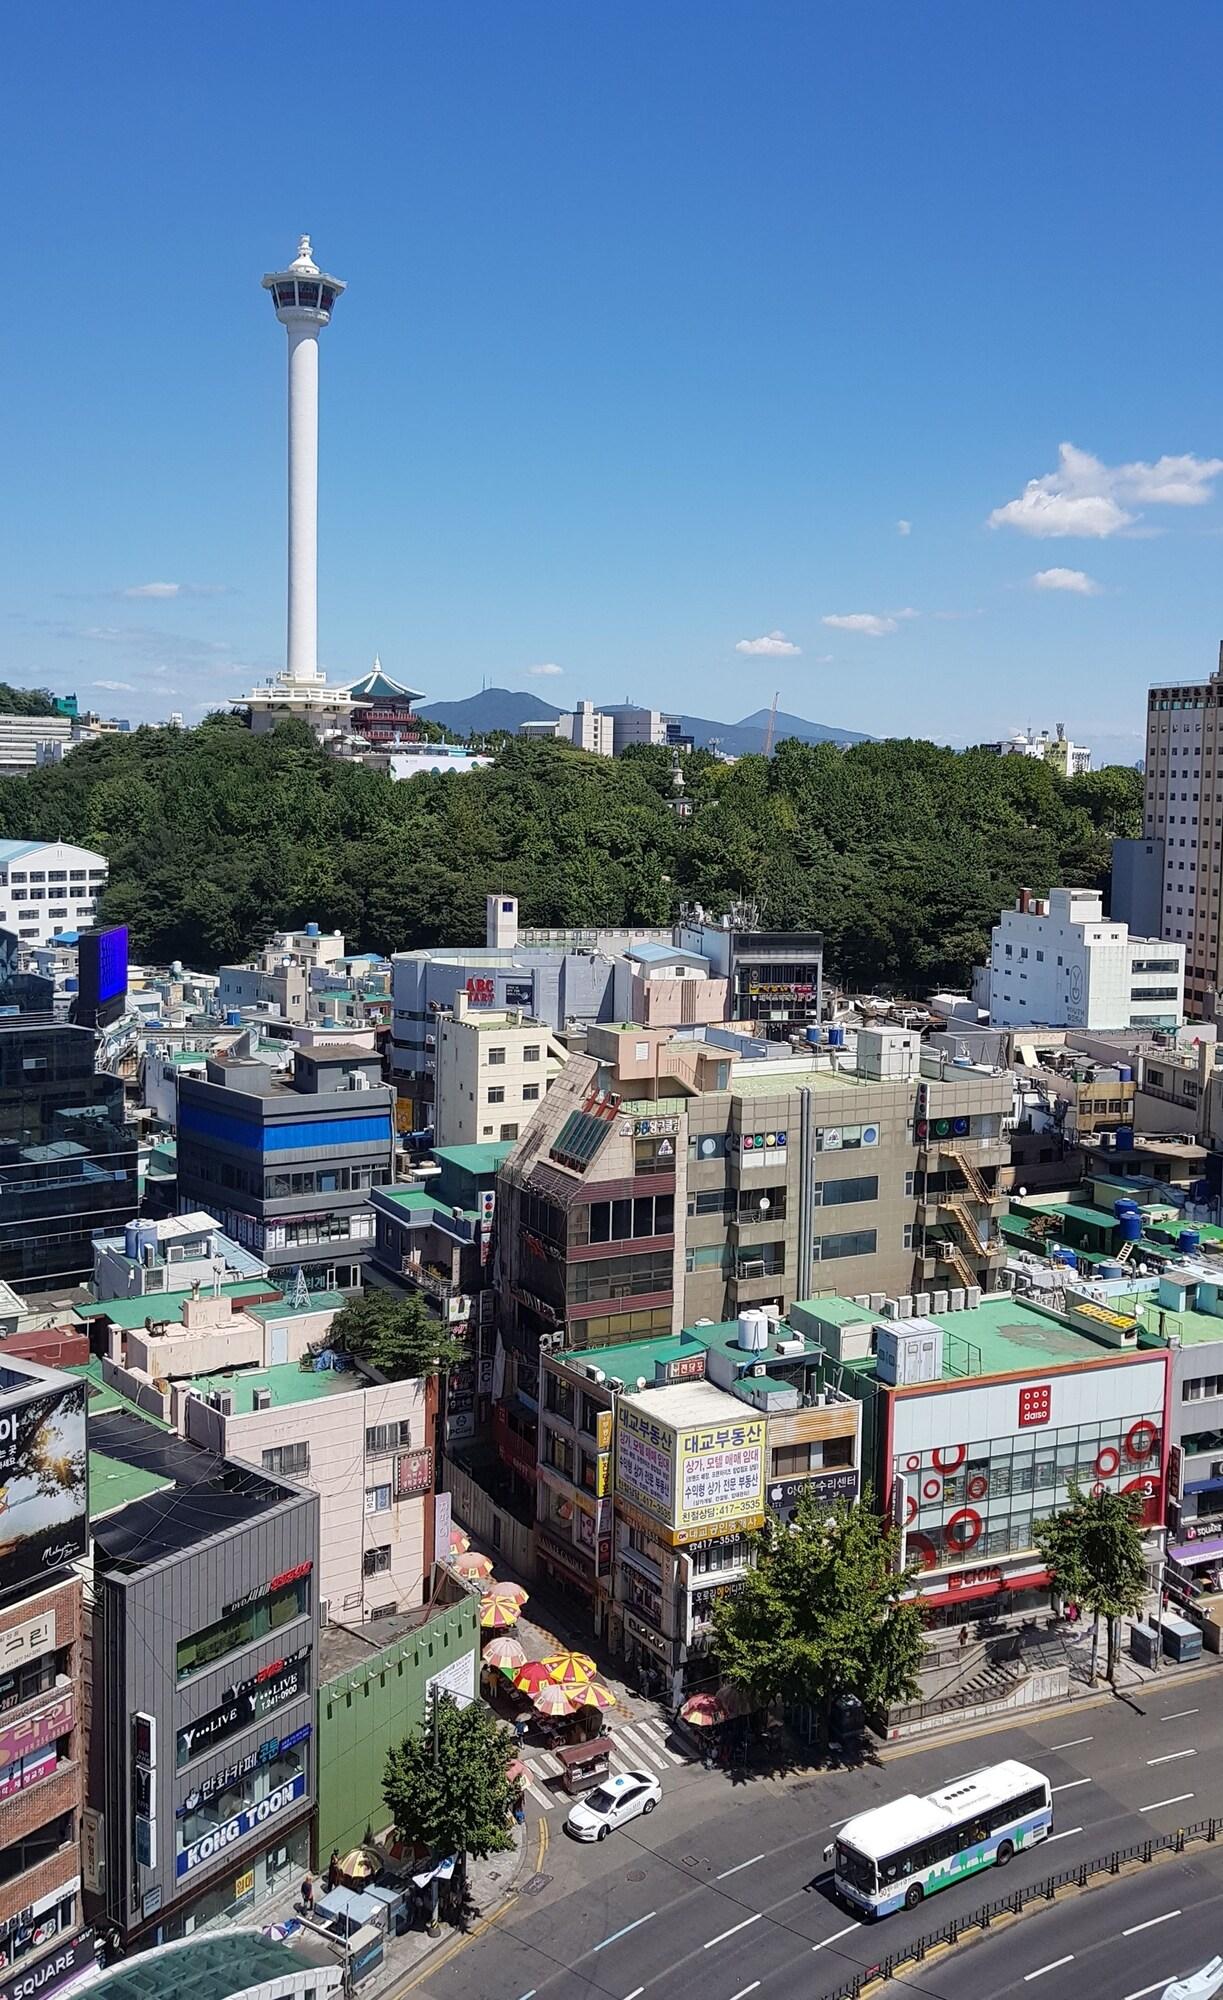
{"points": [[721, 1893]]}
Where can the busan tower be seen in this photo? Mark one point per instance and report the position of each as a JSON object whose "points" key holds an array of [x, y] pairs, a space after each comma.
{"points": [[304, 298]]}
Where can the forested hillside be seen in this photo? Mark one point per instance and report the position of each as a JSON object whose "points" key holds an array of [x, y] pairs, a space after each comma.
{"points": [[902, 853]]}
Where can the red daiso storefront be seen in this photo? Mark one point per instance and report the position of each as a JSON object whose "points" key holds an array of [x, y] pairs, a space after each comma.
{"points": [[968, 1465]]}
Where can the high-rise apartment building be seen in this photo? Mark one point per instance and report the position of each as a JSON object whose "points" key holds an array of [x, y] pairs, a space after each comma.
{"points": [[1183, 824]]}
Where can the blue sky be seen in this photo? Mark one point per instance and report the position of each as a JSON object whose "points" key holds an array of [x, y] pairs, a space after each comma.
{"points": [[661, 318]]}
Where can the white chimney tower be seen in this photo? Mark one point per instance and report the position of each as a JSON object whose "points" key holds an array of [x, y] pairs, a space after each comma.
{"points": [[303, 297]]}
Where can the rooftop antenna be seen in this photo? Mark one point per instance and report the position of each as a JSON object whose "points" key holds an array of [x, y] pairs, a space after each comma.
{"points": [[299, 1292]]}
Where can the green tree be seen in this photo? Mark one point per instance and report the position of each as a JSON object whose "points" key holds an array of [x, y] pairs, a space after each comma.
{"points": [[446, 1787], [1093, 1549], [822, 1614], [397, 1335]]}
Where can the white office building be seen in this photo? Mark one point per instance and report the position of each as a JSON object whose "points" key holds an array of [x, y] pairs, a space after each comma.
{"points": [[585, 726], [493, 1068], [48, 887], [1056, 962]]}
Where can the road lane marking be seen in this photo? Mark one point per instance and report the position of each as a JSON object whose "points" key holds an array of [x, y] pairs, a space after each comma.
{"points": [[745, 1990], [657, 1734], [1178, 1716], [835, 1936], [527, 1996], [1156, 1986], [636, 1925], [1070, 1784], [1158, 1804], [1151, 1923], [641, 1747], [635, 1994], [1051, 1967], [840, 1822], [738, 1865], [1073, 1743], [723, 1935], [1172, 1756], [1068, 1834]]}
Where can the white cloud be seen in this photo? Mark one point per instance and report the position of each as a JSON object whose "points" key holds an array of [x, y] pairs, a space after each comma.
{"points": [[871, 624], [774, 645], [115, 687], [1086, 497], [1075, 580], [904, 527], [162, 590], [548, 667]]}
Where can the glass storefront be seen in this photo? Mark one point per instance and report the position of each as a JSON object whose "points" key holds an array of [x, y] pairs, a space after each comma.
{"points": [[241, 1625]]}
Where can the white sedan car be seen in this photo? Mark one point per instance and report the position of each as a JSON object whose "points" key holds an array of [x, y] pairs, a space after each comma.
{"points": [[613, 1803]]}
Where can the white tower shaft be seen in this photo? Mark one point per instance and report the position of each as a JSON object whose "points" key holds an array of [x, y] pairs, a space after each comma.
{"points": [[303, 503]]}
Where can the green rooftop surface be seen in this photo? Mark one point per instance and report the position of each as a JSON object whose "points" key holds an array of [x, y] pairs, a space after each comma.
{"points": [[837, 1312], [635, 1357], [1010, 1337], [132, 1313], [1075, 1211], [188, 1056], [794, 1078], [285, 1383], [476, 1159], [112, 1484], [211, 1967], [1192, 1328], [281, 1308], [422, 1201]]}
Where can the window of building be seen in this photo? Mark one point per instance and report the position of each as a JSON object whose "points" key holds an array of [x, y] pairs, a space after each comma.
{"points": [[560, 1398], [242, 1625], [378, 1498], [847, 1243], [620, 1277], [376, 1562], [387, 1437], [290, 1460], [1202, 1388], [732, 1552], [509, 1131], [831, 1194], [530, 1052], [496, 1055], [530, 1092], [791, 1461], [558, 1452], [712, 1201]]}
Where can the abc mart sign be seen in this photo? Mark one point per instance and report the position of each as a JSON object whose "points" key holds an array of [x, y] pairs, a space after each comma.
{"points": [[248, 1821]]}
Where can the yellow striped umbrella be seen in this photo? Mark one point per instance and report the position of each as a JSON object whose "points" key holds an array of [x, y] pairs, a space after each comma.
{"points": [[595, 1695], [514, 1590], [498, 1611], [459, 1541], [571, 1670]]}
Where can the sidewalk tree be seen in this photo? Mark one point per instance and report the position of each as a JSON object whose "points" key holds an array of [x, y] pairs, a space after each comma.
{"points": [[1093, 1550], [445, 1787], [822, 1614], [396, 1334]]}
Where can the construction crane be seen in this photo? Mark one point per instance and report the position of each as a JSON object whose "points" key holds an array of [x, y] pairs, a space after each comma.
{"points": [[768, 734]]}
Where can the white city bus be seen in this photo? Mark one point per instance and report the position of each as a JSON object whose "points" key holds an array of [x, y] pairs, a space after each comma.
{"points": [[893, 1856]]}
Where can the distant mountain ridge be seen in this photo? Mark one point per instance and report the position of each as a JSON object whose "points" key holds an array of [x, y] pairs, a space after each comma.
{"points": [[503, 708]]}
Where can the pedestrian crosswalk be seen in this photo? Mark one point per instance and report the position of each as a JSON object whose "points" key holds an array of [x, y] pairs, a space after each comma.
{"points": [[636, 1746]]}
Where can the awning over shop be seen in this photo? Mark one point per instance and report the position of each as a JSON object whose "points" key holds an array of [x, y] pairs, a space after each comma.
{"points": [[1197, 1552], [995, 1586]]}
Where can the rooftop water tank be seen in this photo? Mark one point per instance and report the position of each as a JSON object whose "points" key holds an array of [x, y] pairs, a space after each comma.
{"points": [[815, 1036], [1112, 1269], [1126, 1206], [1189, 1239], [312, 930], [1063, 1255], [836, 1038], [1125, 1074], [1125, 1138], [131, 1240], [1131, 1228], [233, 1018], [753, 1332]]}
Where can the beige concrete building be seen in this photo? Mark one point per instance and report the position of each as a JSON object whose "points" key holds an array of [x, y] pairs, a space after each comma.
{"points": [[494, 1067], [1183, 827]]}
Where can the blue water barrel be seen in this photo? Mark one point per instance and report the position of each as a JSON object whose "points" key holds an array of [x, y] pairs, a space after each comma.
{"points": [[1124, 1073], [1111, 1270], [233, 1018], [1063, 1255], [1126, 1206], [1124, 1139], [1189, 1239], [836, 1038], [815, 1036], [1131, 1228]]}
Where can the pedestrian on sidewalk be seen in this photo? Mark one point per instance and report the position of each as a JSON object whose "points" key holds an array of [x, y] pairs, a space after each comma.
{"points": [[307, 1897], [963, 1637], [333, 1868]]}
